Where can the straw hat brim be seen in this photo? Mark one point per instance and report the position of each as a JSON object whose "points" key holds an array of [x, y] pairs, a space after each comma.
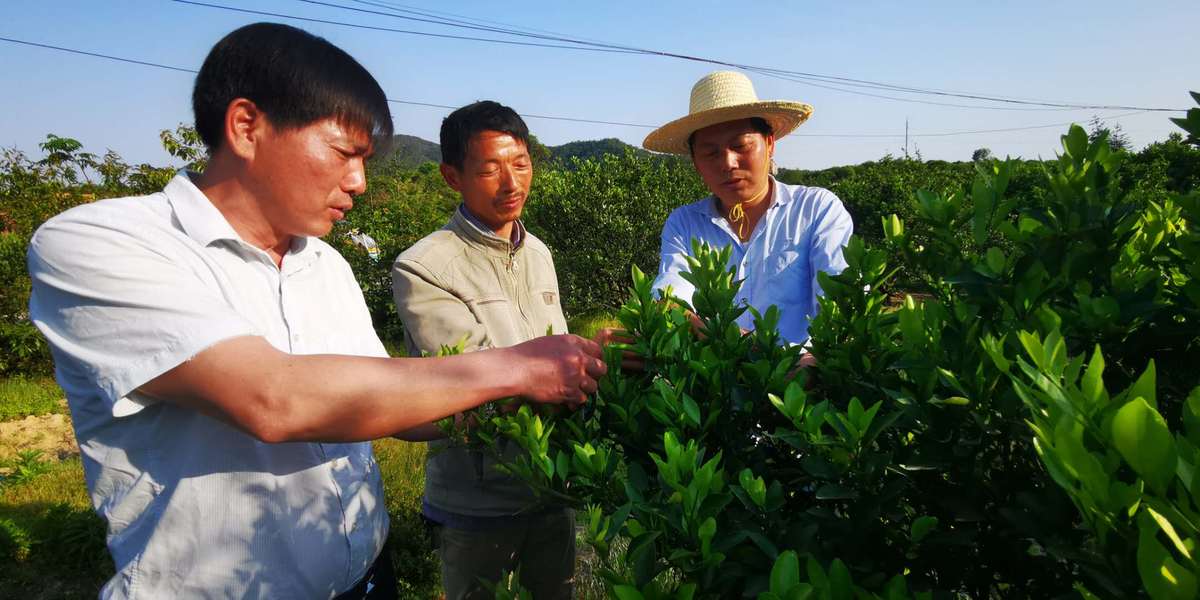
{"points": [[783, 116]]}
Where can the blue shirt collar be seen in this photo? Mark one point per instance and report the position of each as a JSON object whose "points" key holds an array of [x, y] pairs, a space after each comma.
{"points": [[780, 197]]}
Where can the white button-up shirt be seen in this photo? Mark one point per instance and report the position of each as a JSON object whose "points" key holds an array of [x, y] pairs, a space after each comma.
{"points": [[802, 233], [126, 289]]}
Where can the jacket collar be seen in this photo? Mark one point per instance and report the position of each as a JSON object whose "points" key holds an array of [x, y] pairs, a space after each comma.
{"points": [[466, 226]]}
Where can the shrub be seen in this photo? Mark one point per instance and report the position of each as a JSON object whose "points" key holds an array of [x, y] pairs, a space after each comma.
{"points": [[400, 207], [909, 466], [601, 216]]}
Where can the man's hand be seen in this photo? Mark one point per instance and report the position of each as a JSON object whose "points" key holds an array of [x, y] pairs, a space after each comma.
{"points": [[630, 361], [558, 369]]}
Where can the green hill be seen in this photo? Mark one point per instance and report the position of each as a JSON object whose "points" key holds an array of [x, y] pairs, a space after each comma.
{"points": [[410, 151]]}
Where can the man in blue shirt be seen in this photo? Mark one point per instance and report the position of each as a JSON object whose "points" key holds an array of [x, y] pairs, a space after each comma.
{"points": [[782, 235]]}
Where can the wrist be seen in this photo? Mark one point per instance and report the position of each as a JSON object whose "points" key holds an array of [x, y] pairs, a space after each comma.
{"points": [[508, 376]]}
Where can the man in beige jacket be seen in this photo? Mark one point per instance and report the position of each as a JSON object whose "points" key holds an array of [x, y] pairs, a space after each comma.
{"points": [[485, 278]]}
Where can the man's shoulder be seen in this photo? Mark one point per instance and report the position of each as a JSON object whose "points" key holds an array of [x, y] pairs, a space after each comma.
{"points": [[810, 194], [434, 251], [696, 211], [125, 217], [535, 245]]}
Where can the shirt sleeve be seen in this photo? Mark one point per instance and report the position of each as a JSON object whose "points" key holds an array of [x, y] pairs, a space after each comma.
{"points": [[833, 230], [672, 261], [118, 309], [432, 316]]}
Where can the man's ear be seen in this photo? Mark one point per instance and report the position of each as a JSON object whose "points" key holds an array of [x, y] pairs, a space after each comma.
{"points": [[451, 175], [245, 126]]}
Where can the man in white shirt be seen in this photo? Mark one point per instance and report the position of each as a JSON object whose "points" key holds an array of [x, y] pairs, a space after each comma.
{"points": [[218, 358]]}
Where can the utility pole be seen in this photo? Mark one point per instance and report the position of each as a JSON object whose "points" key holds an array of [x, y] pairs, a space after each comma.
{"points": [[905, 137]]}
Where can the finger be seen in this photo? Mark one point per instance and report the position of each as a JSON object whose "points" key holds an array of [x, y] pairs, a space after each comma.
{"points": [[575, 398], [590, 348], [588, 386], [595, 368]]}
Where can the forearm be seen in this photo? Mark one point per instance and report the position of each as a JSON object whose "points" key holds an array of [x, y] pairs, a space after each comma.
{"points": [[380, 397], [280, 397]]}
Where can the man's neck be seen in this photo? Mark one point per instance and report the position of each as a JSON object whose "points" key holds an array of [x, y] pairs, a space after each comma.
{"points": [[753, 209], [242, 209], [507, 231]]}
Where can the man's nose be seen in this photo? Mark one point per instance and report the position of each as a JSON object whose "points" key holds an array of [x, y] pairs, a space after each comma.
{"points": [[508, 178], [355, 181], [729, 160]]}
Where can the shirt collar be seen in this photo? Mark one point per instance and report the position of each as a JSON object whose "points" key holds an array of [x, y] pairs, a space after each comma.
{"points": [[202, 222], [779, 197], [518, 232]]}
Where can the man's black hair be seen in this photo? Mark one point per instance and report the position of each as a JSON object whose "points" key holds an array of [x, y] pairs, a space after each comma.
{"points": [[759, 124], [293, 76], [471, 119]]}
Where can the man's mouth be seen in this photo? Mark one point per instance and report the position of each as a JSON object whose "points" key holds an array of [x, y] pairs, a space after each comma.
{"points": [[340, 211]]}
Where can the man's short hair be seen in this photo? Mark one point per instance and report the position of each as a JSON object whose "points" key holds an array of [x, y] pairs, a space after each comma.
{"points": [[758, 124], [471, 119], [293, 76]]}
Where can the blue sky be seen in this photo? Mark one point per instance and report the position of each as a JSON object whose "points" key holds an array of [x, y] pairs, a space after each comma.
{"points": [[1110, 53]]}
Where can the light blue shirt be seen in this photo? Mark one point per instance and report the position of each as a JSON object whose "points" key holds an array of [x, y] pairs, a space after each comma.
{"points": [[802, 232]]}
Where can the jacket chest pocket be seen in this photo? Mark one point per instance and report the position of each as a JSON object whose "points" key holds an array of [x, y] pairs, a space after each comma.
{"points": [[499, 317], [546, 311]]}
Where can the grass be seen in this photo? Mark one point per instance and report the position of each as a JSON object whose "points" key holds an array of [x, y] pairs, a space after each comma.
{"points": [[52, 542], [587, 325], [402, 466], [22, 396]]}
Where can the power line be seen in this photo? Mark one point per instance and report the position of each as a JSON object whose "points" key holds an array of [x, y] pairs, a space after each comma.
{"points": [[263, 13], [97, 55], [561, 118], [965, 132], [392, 100], [829, 81]]}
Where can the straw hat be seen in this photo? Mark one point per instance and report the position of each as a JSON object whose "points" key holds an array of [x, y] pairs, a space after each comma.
{"points": [[725, 96]]}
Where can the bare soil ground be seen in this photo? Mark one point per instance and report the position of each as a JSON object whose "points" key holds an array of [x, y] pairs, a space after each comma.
{"points": [[52, 435]]}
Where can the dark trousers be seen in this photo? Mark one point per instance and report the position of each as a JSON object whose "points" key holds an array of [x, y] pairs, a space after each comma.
{"points": [[378, 584], [543, 546]]}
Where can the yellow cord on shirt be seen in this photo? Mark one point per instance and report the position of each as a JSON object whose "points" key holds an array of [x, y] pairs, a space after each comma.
{"points": [[737, 214]]}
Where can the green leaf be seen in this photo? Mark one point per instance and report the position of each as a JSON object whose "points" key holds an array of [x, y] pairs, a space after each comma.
{"points": [[995, 260], [1144, 386], [921, 527], [832, 491], [1191, 415], [686, 591], [802, 591], [1093, 380], [1144, 441], [1075, 142], [691, 410], [1168, 529], [786, 573], [1163, 578], [840, 585], [627, 592]]}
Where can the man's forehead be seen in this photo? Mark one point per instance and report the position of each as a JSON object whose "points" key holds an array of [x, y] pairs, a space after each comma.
{"points": [[724, 131], [494, 140]]}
